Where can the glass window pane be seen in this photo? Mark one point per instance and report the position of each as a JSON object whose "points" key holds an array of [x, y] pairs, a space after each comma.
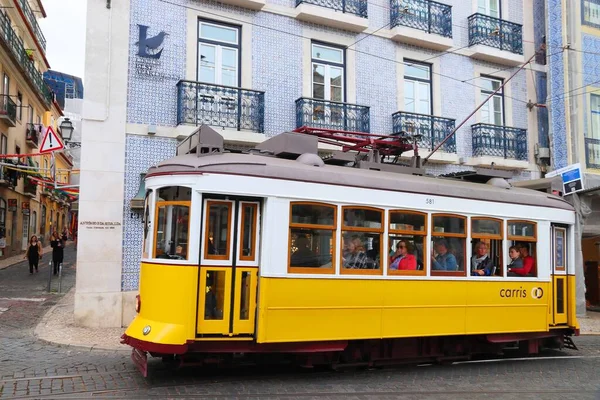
{"points": [[416, 70], [409, 96], [595, 102], [406, 252], [215, 295], [336, 94], [336, 76], [400, 221], [486, 227], [318, 73], [313, 214], [524, 229], [175, 193], [245, 295], [448, 254], [327, 54], [318, 91], [217, 240], [361, 250], [248, 230], [229, 58], [172, 232], [490, 85], [207, 63], [311, 248], [363, 218], [218, 33], [445, 224]]}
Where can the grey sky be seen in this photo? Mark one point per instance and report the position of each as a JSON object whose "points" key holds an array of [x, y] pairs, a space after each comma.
{"points": [[64, 29]]}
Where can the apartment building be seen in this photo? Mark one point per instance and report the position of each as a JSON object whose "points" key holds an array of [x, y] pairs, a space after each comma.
{"points": [[27, 107], [256, 68]]}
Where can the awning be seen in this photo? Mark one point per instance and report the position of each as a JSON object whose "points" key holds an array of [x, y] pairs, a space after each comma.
{"points": [[137, 203]]}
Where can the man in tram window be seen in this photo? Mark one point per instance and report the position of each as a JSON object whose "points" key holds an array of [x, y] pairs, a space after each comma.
{"points": [[481, 263], [303, 256], [444, 260]]}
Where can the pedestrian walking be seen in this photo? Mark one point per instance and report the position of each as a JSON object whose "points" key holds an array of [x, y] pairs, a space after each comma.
{"points": [[57, 251], [33, 254]]}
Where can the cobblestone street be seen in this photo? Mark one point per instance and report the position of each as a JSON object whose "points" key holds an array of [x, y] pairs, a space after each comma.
{"points": [[30, 368]]}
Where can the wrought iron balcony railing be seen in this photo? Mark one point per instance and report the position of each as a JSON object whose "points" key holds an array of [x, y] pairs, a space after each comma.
{"points": [[225, 106], [425, 15], [499, 141], [8, 35], [8, 109], [32, 133], [8, 177], [430, 130], [495, 32], [332, 115], [592, 153], [356, 7], [33, 23]]}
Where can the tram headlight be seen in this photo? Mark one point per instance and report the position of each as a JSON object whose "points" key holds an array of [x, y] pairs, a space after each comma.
{"points": [[138, 303]]}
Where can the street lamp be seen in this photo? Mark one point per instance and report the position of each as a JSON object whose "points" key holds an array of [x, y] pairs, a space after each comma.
{"points": [[66, 130]]}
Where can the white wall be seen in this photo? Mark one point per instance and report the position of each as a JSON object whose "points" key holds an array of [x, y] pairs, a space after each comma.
{"points": [[98, 299]]}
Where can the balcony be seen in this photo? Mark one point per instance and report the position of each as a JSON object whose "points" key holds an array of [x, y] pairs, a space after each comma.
{"points": [[494, 142], [32, 134], [422, 23], [9, 38], [224, 106], [495, 40], [30, 188], [350, 15], [332, 115], [39, 36], [8, 177], [429, 131], [8, 110], [592, 153]]}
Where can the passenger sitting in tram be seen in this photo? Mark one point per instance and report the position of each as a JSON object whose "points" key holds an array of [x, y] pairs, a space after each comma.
{"points": [[303, 256], [516, 262], [481, 263], [357, 257], [444, 260], [527, 263], [403, 258]]}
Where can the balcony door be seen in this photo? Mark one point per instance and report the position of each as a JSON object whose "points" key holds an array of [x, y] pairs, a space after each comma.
{"points": [[489, 7], [328, 70], [218, 54], [492, 111]]}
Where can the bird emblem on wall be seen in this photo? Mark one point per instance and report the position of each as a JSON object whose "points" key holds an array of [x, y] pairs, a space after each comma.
{"points": [[150, 47]]}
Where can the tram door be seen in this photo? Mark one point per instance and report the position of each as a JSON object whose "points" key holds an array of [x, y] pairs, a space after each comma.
{"points": [[228, 267], [559, 274]]}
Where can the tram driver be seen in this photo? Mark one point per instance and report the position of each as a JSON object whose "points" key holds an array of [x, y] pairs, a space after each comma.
{"points": [[444, 260]]}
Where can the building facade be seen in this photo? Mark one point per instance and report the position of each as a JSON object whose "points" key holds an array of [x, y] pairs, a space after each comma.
{"points": [[256, 68], [64, 86]]}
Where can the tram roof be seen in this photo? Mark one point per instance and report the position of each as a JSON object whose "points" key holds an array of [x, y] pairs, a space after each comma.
{"points": [[262, 166]]}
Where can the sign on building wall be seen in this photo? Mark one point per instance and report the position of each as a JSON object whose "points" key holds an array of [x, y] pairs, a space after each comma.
{"points": [[12, 205], [25, 208], [572, 178], [149, 49]]}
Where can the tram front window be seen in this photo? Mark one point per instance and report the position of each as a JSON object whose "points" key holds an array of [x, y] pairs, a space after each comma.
{"points": [[172, 223]]}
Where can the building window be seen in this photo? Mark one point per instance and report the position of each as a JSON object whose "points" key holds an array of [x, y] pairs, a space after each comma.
{"points": [[19, 106], [595, 106], [417, 87], [489, 7], [34, 223], [6, 85], [591, 13], [328, 68], [4, 144], [30, 114], [492, 111], [218, 53], [2, 212], [43, 221]]}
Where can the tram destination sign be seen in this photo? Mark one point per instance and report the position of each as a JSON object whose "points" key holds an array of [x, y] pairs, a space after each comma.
{"points": [[572, 178]]}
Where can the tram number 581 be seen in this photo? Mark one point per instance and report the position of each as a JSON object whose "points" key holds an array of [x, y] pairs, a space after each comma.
{"points": [[429, 201]]}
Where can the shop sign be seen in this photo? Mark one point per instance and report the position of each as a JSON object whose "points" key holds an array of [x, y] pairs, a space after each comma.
{"points": [[25, 207], [12, 205], [572, 178]]}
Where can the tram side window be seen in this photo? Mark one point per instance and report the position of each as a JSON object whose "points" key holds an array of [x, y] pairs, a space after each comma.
{"points": [[147, 235], [362, 230], [522, 236], [486, 235], [448, 244], [312, 237], [172, 230], [407, 233]]}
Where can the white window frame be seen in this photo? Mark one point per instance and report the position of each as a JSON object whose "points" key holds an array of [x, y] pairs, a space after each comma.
{"points": [[485, 7], [489, 105], [328, 65], [218, 47], [417, 82]]}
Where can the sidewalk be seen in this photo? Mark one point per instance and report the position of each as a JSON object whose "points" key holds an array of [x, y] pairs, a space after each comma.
{"points": [[10, 261], [58, 327]]}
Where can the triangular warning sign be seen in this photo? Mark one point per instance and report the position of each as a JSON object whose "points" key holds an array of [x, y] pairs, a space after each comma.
{"points": [[51, 142]]}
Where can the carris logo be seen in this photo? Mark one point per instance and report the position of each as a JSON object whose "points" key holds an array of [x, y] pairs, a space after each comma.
{"points": [[537, 293]]}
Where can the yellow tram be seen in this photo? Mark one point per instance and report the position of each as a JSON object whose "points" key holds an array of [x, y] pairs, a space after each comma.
{"points": [[253, 253]]}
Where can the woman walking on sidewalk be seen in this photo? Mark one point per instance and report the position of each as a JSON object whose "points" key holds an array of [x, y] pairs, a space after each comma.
{"points": [[57, 251], [34, 253]]}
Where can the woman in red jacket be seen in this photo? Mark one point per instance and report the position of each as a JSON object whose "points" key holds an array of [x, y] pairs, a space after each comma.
{"points": [[403, 259], [528, 268]]}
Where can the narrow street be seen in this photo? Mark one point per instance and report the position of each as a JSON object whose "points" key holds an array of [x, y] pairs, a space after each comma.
{"points": [[31, 368]]}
